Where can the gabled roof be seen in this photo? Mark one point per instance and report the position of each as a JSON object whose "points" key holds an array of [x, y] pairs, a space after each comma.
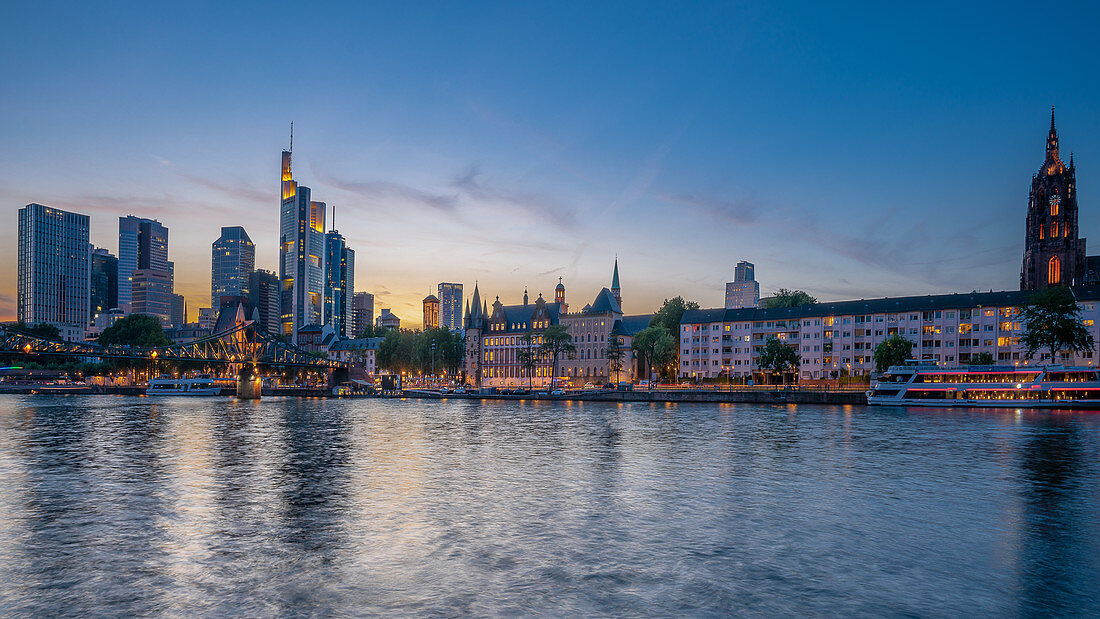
{"points": [[884, 305], [366, 343], [631, 325], [604, 303], [520, 315]]}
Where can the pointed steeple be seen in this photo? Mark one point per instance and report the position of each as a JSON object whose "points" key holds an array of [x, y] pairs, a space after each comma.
{"points": [[615, 292], [525, 296]]}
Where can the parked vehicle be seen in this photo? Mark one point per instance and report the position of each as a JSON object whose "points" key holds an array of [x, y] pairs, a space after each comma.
{"points": [[558, 392]]}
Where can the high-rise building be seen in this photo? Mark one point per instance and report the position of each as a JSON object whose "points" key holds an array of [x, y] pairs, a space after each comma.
{"points": [[362, 309], [143, 246], [179, 311], [263, 295], [431, 312], [744, 290], [54, 269], [103, 288], [339, 284], [450, 305], [301, 254], [1053, 254], [233, 258]]}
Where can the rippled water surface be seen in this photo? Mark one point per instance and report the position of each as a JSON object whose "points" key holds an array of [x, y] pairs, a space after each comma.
{"points": [[114, 506]]}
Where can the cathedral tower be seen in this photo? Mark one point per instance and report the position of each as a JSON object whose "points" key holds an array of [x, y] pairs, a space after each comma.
{"points": [[1053, 255]]}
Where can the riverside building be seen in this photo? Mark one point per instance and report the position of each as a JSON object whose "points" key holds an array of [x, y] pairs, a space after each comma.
{"points": [[54, 269], [232, 260], [301, 254]]}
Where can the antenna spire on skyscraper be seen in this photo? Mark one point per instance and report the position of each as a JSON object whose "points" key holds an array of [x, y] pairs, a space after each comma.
{"points": [[292, 136]]}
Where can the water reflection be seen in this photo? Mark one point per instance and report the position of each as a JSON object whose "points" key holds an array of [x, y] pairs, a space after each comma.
{"points": [[124, 506]]}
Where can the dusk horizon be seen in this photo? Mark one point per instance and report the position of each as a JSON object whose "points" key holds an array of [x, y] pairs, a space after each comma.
{"points": [[882, 153]]}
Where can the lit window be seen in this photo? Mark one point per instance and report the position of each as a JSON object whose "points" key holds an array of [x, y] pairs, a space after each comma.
{"points": [[1054, 271]]}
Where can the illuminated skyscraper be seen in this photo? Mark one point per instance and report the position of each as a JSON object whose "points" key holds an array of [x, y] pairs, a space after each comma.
{"points": [[301, 254], [104, 283], [263, 294], [339, 284], [450, 304], [143, 246], [54, 269], [233, 258]]}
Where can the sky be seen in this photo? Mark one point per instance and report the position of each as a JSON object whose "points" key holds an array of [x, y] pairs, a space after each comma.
{"points": [[849, 150]]}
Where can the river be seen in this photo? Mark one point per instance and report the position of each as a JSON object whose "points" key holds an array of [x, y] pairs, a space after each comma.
{"points": [[124, 505]]}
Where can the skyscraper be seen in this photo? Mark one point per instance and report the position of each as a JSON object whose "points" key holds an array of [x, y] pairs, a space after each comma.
{"points": [[339, 283], [143, 246], [450, 305], [431, 312], [301, 254], [744, 290], [179, 311], [362, 309], [103, 288], [54, 269], [233, 258], [263, 295]]}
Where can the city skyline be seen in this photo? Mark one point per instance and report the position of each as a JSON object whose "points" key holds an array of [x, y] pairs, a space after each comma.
{"points": [[753, 133]]}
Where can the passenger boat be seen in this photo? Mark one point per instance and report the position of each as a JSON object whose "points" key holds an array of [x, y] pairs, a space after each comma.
{"points": [[200, 385], [1050, 386]]}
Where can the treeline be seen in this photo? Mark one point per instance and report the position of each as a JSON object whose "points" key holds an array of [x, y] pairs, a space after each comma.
{"points": [[404, 350]]}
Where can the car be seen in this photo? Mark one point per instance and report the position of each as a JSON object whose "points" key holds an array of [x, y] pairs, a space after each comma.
{"points": [[589, 387], [444, 390], [558, 392], [460, 390]]}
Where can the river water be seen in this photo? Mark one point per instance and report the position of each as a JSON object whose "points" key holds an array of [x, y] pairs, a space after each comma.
{"points": [[208, 507]]}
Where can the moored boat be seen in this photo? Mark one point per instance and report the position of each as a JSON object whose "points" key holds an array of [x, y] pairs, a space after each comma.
{"points": [[1050, 386], [198, 386]]}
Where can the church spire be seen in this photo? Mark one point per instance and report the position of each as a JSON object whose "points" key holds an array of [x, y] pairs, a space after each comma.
{"points": [[615, 292], [1053, 165]]}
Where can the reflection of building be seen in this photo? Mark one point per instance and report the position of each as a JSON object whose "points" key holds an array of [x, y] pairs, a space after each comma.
{"points": [[143, 246], [431, 312], [362, 309], [1053, 253], [103, 288], [54, 269], [387, 320], [450, 305], [339, 284], [301, 254], [263, 295], [744, 290], [834, 339], [233, 258]]}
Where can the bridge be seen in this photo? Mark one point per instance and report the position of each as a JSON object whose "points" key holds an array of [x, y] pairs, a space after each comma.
{"points": [[244, 345]]}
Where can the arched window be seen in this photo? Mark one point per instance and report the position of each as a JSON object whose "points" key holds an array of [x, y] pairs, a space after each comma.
{"points": [[1054, 230], [1054, 208], [1054, 271]]}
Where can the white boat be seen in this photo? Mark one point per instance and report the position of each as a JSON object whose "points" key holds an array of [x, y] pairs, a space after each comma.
{"points": [[1050, 386], [200, 385]]}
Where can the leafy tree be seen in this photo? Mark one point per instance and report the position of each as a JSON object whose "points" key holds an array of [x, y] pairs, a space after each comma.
{"points": [[555, 342], [788, 298], [1053, 321], [776, 357], [982, 358], [657, 347], [893, 351], [397, 353], [446, 354], [43, 330], [668, 316], [528, 355], [135, 330], [615, 355]]}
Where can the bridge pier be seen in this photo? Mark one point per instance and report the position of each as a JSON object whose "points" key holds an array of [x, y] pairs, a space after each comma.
{"points": [[248, 383]]}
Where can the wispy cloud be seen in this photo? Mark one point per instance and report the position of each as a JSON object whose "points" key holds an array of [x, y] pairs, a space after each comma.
{"points": [[739, 210], [474, 186], [239, 192]]}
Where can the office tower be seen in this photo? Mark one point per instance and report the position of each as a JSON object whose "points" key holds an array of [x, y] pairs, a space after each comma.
{"points": [[362, 309], [431, 312], [54, 269], [339, 283], [143, 246], [263, 295], [179, 311], [450, 305], [301, 254], [232, 260], [103, 287], [744, 290]]}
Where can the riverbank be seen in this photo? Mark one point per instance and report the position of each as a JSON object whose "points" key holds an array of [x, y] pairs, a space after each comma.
{"points": [[752, 396]]}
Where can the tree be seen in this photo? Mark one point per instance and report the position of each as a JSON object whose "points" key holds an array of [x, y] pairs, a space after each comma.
{"points": [[397, 353], [43, 330], [615, 355], [982, 358], [788, 298], [656, 346], [135, 330], [893, 351], [776, 357], [528, 355], [1052, 320], [556, 341], [668, 316]]}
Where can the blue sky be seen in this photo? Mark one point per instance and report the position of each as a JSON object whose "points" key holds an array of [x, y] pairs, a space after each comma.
{"points": [[848, 150]]}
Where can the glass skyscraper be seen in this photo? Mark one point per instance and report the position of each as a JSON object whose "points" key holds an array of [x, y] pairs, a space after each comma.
{"points": [[233, 258], [339, 284], [54, 268], [450, 304], [301, 255], [145, 277], [103, 288]]}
